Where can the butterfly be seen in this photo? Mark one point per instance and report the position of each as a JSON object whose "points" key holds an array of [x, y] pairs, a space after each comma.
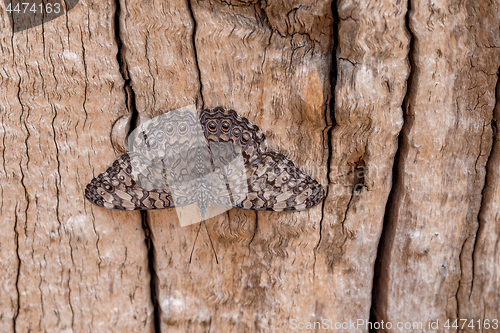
{"points": [[211, 161]]}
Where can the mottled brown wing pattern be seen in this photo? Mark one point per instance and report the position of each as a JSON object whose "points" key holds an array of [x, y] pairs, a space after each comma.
{"points": [[116, 189], [276, 184], [256, 179], [273, 182], [225, 125]]}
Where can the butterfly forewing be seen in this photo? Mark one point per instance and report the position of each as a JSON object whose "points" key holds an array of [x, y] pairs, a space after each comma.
{"points": [[225, 125], [116, 189]]}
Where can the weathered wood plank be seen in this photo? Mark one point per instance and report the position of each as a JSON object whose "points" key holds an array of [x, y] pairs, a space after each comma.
{"points": [[480, 300], [80, 268], [68, 265], [426, 259], [13, 203], [372, 69], [273, 69]]}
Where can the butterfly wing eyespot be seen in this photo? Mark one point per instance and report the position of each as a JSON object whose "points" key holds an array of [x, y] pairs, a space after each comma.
{"points": [[183, 128], [212, 126], [170, 129], [245, 137], [236, 132], [151, 142], [225, 126]]}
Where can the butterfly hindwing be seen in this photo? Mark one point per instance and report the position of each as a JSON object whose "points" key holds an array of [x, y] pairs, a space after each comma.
{"points": [[116, 189], [276, 184]]}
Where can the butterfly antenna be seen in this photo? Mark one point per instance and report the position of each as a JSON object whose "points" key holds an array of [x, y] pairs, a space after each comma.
{"points": [[192, 250], [210, 238]]}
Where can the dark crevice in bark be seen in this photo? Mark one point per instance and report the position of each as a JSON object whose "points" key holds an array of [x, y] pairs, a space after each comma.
{"points": [[69, 285], [66, 10], [461, 267], [254, 231], [195, 52], [58, 179], [84, 104], [379, 292], [153, 284], [4, 148], [123, 67], [489, 169], [133, 122], [329, 117], [18, 306], [22, 119], [333, 77], [98, 238]]}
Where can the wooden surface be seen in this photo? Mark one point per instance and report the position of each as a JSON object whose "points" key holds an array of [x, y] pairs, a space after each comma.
{"points": [[389, 104], [428, 253], [370, 87], [69, 267]]}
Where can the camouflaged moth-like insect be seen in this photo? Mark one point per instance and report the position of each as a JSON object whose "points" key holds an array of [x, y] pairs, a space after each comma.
{"points": [[212, 161]]}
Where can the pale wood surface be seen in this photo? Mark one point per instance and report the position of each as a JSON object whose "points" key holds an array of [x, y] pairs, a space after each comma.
{"points": [[66, 266], [427, 260], [274, 70], [372, 69], [413, 97]]}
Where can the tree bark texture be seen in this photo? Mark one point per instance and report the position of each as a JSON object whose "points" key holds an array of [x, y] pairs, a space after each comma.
{"points": [[432, 252], [391, 105], [65, 265]]}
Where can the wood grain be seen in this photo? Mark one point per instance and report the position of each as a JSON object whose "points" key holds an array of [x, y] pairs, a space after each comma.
{"points": [[427, 256], [70, 267], [372, 69], [389, 104]]}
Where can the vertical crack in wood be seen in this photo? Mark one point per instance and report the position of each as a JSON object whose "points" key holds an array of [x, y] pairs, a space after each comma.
{"points": [[153, 284], [123, 67], [490, 166], [329, 119], [84, 104], [4, 147], [387, 236], [18, 307], [58, 179], [195, 52], [254, 230], [22, 119], [133, 121]]}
